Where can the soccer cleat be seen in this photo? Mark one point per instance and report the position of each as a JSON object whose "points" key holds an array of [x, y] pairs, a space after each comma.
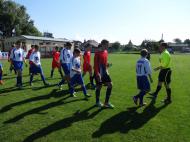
{"points": [[143, 104], [73, 95], [60, 87], [87, 95], [99, 104], [167, 101], [108, 105], [46, 84], [135, 100]]}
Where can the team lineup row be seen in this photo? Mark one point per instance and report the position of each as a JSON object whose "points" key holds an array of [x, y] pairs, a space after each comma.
{"points": [[70, 63]]}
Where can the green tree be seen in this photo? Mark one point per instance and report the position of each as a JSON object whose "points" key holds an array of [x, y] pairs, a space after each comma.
{"points": [[187, 41], [177, 40], [115, 46], [14, 20]]}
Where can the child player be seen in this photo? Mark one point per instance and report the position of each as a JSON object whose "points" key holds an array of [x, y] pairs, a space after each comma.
{"points": [[17, 56], [56, 62], [143, 71], [102, 76], [75, 74], [65, 60], [86, 64], [36, 65]]}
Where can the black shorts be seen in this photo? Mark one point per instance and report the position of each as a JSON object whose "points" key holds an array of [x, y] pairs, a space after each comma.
{"points": [[165, 76], [104, 79]]}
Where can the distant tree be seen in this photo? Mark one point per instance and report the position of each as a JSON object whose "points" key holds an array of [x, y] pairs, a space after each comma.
{"points": [[187, 41], [177, 40], [115, 46], [128, 46], [15, 21], [150, 45]]}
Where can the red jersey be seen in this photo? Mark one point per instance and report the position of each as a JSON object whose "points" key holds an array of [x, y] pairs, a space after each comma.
{"points": [[86, 57], [104, 58], [56, 56]]}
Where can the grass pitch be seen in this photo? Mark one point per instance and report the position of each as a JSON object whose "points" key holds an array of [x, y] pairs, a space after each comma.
{"points": [[46, 114]]}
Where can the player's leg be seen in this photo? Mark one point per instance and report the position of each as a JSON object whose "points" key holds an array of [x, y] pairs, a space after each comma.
{"points": [[19, 78], [167, 86], [81, 82], [31, 78], [161, 79], [42, 75], [60, 72], [91, 77], [107, 103], [52, 71], [98, 89]]}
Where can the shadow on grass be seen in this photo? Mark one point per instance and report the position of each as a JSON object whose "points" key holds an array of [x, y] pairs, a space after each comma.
{"points": [[12, 89], [63, 124], [54, 93], [128, 120], [43, 108]]}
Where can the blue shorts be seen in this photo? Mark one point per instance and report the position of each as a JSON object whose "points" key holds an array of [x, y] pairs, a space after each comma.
{"points": [[66, 68], [77, 79], [18, 65], [143, 83], [35, 69]]}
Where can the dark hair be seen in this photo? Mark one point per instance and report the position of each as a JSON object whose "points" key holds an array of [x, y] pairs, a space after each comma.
{"points": [[164, 44], [144, 52], [18, 42], [68, 44], [32, 46], [87, 45], [36, 47], [77, 50], [104, 41], [56, 48]]}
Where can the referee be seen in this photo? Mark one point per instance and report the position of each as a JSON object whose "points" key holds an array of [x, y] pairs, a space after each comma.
{"points": [[165, 72]]}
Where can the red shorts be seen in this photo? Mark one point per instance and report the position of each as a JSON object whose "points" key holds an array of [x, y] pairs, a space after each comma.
{"points": [[56, 65], [87, 68]]}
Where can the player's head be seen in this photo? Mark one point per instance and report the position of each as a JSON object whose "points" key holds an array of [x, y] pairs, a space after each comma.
{"points": [[32, 46], [18, 44], [36, 47], [88, 47], [104, 44], [68, 45], [77, 52], [144, 53], [163, 46], [56, 48]]}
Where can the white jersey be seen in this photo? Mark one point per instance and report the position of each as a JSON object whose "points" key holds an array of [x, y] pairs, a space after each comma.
{"points": [[75, 64], [17, 54], [35, 57], [66, 56], [143, 67]]}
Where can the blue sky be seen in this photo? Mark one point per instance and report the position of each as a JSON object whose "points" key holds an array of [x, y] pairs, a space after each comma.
{"points": [[115, 20]]}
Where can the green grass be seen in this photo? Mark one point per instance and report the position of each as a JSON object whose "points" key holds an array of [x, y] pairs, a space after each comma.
{"points": [[48, 115]]}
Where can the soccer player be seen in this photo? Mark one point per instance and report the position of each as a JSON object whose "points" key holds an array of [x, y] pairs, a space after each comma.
{"points": [[56, 62], [36, 65], [143, 71], [10, 60], [28, 57], [102, 76], [86, 64], [165, 72], [65, 60], [17, 56], [1, 74], [75, 74]]}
